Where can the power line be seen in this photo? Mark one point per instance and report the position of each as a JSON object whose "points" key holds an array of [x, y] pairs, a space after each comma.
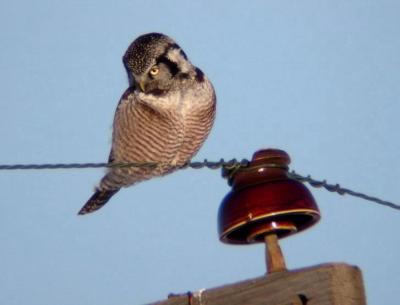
{"points": [[70, 166], [336, 188], [231, 164], [196, 165]]}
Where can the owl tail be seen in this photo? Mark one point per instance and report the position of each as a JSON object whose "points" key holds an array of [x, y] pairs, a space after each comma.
{"points": [[97, 201]]}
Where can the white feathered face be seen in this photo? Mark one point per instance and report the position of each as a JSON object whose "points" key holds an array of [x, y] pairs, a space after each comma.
{"points": [[154, 62]]}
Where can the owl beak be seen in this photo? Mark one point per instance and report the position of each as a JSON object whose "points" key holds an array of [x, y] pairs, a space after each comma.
{"points": [[139, 82], [142, 87]]}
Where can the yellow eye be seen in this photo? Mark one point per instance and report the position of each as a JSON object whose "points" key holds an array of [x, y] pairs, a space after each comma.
{"points": [[154, 71]]}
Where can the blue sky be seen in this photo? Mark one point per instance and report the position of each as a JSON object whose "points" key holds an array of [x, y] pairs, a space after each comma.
{"points": [[319, 79]]}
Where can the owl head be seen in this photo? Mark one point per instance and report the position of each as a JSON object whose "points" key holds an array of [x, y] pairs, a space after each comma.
{"points": [[154, 62]]}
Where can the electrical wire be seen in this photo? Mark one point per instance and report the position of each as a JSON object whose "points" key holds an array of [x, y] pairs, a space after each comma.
{"points": [[231, 164]]}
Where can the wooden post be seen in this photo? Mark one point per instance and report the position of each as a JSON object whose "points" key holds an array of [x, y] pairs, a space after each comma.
{"points": [[273, 254], [328, 284]]}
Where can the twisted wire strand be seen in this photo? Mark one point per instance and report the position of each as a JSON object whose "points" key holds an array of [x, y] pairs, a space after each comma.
{"points": [[232, 164], [71, 166], [336, 188]]}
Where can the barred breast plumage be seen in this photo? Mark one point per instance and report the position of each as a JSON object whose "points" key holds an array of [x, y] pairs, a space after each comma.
{"points": [[149, 131], [166, 123]]}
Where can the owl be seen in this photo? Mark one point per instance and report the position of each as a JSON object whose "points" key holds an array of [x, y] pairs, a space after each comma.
{"points": [[163, 117]]}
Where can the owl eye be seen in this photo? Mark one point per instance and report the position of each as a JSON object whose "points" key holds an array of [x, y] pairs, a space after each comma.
{"points": [[154, 71]]}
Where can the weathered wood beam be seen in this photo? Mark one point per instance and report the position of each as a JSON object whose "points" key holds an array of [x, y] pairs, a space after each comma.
{"points": [[327, 284]]}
